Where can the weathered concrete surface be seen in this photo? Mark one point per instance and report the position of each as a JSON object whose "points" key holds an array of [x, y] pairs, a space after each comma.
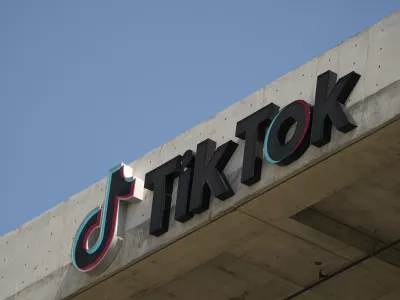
{"points": [[228, 277], [36, 261]]}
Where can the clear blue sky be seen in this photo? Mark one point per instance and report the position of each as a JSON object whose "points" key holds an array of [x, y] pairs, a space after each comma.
{"points": [[71, 70]]}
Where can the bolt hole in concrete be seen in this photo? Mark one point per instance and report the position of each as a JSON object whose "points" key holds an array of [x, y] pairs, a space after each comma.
{"points": [[318, 263], [287, 130]]}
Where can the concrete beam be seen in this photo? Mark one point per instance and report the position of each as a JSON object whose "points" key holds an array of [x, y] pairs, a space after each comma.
{"points": [[348, 235]]}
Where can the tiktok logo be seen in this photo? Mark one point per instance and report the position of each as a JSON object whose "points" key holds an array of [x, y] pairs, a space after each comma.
{"points": [[100, 235], [281, 135]]}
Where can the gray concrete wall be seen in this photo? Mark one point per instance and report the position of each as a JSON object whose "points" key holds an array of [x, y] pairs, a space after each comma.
{"points": [[35, 258]]}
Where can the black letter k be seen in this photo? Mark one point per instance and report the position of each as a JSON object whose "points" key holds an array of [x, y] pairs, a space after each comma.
{"points": [[329, 106]]}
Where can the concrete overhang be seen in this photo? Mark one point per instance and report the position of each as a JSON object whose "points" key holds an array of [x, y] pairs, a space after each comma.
{"points": [[329, 212], [256, 251]]}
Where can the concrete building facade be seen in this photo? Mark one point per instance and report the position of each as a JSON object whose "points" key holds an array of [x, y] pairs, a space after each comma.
{"points": [[324, 225]]}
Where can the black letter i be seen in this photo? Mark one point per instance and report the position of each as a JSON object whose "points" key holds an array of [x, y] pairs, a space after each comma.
{"points": [[182, 213]]}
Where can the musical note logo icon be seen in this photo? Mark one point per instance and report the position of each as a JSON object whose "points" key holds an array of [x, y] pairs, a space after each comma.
{"points": [[100, 235]]}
